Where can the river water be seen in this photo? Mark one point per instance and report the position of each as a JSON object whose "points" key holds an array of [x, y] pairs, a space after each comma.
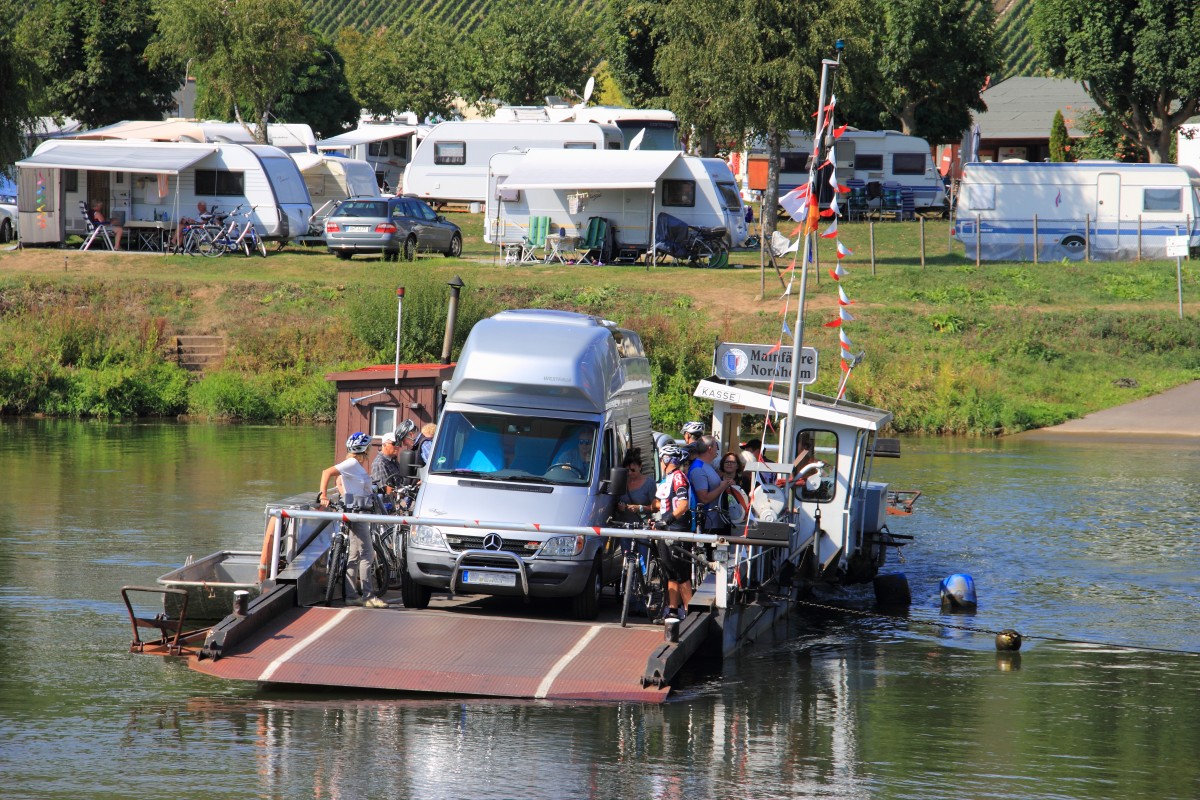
{"points": [[1069, 540]]}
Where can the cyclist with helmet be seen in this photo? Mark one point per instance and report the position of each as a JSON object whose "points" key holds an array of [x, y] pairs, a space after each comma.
{"points": [[674, 514], [357, 496], [692, 431]]}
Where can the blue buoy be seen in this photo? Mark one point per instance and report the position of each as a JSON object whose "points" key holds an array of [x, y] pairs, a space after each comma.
{"points": [[958, 593]]}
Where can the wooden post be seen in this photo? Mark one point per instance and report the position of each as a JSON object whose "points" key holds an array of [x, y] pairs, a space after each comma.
{"points": [[922, 242], [1139, 237], [871, 226], [977, 243], [816, 258], [1087, 237], [1035, 241]]}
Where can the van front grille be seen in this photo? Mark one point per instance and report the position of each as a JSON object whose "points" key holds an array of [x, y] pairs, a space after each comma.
{"points": [[514, 546]]}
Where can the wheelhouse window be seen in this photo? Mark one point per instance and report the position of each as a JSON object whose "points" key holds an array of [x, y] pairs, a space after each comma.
{"points": [[384, 419], [871, 162], [908, 164], [506, 447], [450, 153], [816, 458], [1162, 200], [220, 183], [679, 193]]}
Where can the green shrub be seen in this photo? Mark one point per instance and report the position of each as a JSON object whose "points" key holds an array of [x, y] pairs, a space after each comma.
{"points": [[231, 395]]}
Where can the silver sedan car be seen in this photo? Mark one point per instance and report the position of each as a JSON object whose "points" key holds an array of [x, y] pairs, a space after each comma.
{"points": [[393, 226]]}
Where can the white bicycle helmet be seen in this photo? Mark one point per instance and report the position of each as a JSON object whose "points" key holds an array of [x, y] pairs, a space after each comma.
{"points": [[694, 428], [358, 443], [672, 453]]}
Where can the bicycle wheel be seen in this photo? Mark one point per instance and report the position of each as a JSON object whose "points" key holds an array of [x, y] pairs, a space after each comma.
{"points": [[654, 590], [700, 254], [337, 569], [633, 577], [262, 246], [208, 243], [381, 569]]}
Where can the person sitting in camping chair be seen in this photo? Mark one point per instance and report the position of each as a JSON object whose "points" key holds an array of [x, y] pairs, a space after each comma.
{"points": [[116, 223]]}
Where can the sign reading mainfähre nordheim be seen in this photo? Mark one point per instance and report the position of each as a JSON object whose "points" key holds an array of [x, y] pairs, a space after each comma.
{"points": [[756, 362]]}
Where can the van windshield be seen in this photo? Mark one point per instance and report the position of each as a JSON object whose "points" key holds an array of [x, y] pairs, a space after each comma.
{"points": [[509, 447]]}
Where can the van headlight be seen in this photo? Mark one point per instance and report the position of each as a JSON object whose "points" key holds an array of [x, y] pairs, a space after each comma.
{"points": [[427, 537], [562, 547]]}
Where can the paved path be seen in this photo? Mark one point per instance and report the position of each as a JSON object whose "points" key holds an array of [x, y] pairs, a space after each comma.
{"points": [[1175, 412]]}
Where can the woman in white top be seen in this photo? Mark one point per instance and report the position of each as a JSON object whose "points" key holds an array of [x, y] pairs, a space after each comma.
{"points": [[356, 494]]}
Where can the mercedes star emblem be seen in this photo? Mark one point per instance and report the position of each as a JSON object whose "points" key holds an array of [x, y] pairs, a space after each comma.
{"points": [[493, 542]]}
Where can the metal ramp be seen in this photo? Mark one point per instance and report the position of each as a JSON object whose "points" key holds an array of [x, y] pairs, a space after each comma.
{"points": [[448, 653]]}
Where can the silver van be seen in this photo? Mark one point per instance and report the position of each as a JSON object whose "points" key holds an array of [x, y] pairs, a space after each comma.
{"points": [[538, 416]]}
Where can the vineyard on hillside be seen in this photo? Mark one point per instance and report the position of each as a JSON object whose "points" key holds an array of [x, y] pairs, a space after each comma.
{"points": [[1013, 38], [330, 16]]}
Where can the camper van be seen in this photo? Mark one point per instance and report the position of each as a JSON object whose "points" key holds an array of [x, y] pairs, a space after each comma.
{"points": [[1113, 210], [542, 407], [386, 146], [660, 125], [157, 182], [628, 188], [872, 157], [451, 164]]}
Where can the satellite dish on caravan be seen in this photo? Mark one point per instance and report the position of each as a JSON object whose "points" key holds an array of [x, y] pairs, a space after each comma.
{"points": [[587, 90], [636, 142]]}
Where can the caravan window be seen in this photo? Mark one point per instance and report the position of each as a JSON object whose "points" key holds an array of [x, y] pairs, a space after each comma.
{"points": [[70, 180], [286, 180], [793, 162], [871, 162], [450, 153], [1162, 200], [220, 183], [377, 149], [908, 163], [579, 146], [679, 193], [729, 196]]}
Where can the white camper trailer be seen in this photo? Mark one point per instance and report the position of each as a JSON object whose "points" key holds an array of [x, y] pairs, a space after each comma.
{"points": [[289, 137], [1116, 211], [872, 157], [157, 183], [329, 180], [628, 188], [451, 164], [386, 146]]}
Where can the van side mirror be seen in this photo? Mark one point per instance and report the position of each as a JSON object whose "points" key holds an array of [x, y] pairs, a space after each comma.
{"points": [[407, 460], [617, 483]]}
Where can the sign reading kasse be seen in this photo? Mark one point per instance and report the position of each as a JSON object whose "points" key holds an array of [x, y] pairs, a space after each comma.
{"points": [[756, 362]]}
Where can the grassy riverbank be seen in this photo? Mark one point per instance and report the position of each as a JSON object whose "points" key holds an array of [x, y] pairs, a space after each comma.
{"points": [[950, 348]]}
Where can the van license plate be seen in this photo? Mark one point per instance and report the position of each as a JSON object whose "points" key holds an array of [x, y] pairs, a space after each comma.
{"points": [[358, 228], [489, 578]]}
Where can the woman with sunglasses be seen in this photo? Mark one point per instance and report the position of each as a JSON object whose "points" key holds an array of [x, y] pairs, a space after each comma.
{"points": [[734, 504], [636, 504]]}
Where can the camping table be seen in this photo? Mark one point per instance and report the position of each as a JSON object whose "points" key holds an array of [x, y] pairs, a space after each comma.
{"points": [[557, 246], [147, 234]]}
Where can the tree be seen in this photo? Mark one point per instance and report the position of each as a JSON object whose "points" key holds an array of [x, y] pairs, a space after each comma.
{"points": [[1137, 59], [928, 62], [20, 78], [632, 32], [1104, 139], [700, 66], [397, 70], [245, 53], [525, 51], [320, 95], [91, 56], [1060, 140]]}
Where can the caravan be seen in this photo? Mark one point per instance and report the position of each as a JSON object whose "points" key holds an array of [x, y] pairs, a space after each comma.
{"points": [[658, 128], [386, 146], [155, 183], [1103, 210], [329, 180], [451, 164], [625, 188], [867, 157]]}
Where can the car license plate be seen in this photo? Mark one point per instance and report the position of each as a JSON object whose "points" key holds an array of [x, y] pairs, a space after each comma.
{"points": [[489, 578], [358, 228]]}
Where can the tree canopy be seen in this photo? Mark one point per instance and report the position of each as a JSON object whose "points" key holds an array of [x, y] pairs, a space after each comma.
{"points": [[20, 78], [245, 53], [1136, 58], [90, 54], [632, 32], [397, 70], [320, 94]]}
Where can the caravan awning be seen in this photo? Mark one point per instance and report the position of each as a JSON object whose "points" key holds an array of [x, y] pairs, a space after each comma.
{"points": [[366, 135], [169, 159], [590, 169]]}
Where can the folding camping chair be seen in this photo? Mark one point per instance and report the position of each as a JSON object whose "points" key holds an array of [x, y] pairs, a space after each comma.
{"points": [[94, 229], [777, 250], [534, 238], [856, 200], [595, 241]]}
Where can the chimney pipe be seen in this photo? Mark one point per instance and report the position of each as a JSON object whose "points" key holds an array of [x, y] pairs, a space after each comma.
{"points": [[456, 286]]}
